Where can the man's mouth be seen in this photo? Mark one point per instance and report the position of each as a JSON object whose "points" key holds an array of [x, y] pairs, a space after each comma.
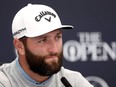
{"points": [[51, 58]]}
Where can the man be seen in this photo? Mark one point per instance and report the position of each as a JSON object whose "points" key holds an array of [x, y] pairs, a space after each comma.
{"points": [[37, 33]]}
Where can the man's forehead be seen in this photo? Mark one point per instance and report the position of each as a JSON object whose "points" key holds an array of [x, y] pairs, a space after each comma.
{"points": [[57, 31]]}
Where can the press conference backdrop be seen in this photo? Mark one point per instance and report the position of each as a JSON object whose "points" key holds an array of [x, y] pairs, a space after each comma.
{"points": [[89, 48]]}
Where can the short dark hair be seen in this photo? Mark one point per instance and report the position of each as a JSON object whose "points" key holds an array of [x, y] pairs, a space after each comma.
{"points": [[23, 40]]}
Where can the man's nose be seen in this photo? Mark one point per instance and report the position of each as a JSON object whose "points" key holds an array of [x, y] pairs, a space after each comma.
{"points": [[52, 47]]}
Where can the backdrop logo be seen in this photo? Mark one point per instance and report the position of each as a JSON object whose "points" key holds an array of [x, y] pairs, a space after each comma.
{"points": [[97, 81], [90, 47]]}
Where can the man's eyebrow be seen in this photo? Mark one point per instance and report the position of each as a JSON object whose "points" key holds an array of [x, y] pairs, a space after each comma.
{"points": [[43, 36], [60, 32], [40, 37]]}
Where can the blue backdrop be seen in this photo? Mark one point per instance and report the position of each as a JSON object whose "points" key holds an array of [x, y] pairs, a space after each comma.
{"points": [[89, 48]]}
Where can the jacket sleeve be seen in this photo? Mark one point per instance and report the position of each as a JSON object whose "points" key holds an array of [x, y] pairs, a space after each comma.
{"points": [[82, 82], [4, 81]]}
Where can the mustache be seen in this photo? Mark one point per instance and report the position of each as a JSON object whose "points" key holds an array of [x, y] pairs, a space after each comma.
{"points": [[51, 54]]}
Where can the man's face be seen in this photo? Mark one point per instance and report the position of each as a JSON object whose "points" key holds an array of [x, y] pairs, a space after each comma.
{"points": [[44, 53]]}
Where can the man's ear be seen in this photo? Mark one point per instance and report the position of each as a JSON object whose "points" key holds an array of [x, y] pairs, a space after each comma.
{"points": [[19, 46]]}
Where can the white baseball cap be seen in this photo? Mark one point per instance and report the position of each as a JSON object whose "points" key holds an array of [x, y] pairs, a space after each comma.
{"points": [[35, 20]]}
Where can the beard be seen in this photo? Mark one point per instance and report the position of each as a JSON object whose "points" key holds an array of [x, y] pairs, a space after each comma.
{"points": [[38, 64]]}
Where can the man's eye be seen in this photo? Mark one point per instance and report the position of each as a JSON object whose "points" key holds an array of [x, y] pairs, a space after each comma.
{"points": [[42, 41], [59, 37]]}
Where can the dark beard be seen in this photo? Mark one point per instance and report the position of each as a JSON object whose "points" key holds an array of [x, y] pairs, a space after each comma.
{"points": [[38, 65]]}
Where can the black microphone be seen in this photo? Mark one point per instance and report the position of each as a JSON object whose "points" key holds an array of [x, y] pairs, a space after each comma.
{"points": [[65, 82]]}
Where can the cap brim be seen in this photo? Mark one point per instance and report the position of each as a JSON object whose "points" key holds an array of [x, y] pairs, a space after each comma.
{"points": [[34, 34], [66, 27]]}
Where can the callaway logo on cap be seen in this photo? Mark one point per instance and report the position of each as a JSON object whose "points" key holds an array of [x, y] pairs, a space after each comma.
{"points": [[35, 20]]}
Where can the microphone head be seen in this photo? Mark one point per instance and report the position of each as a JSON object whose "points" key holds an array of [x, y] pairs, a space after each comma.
{"points": [[65, 82]]}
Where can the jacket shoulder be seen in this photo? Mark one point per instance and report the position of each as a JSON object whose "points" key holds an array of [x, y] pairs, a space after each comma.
{"points": [[4, 81]]}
